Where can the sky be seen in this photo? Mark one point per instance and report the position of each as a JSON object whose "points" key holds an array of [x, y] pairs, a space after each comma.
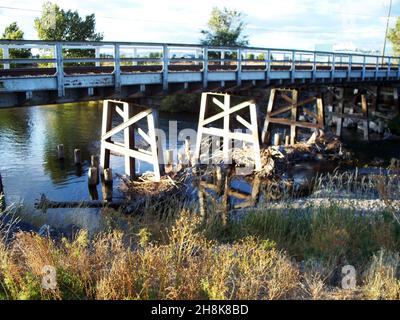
{"points": [[300, 24]]}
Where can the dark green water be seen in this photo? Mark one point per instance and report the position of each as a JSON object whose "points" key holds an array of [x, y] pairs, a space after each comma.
{"points": [[29, 166]]}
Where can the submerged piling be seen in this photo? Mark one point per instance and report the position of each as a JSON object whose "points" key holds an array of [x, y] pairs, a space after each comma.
{"points": [[60, 152], [77, 157]]}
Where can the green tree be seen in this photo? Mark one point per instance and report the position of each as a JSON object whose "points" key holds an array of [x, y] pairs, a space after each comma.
{"points": [[13, 32], [58, 24], [225, 28], [394, 37]]}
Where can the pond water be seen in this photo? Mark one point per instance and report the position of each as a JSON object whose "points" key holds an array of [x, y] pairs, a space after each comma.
{"points": [[29, 166]]}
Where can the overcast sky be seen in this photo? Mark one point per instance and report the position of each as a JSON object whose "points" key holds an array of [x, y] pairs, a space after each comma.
{"points": [[297, 24]]}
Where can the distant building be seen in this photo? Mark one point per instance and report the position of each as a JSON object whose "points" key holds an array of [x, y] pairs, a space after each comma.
{"points": [[345, 48]]}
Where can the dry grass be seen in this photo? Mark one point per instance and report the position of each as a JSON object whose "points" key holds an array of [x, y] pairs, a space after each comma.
{"points": [[187, 265], [176, 254]]}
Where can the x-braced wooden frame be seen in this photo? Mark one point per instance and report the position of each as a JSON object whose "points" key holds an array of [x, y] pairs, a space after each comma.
{"points": [[127, 149], [338, 111], [227, 135], [293, 108]]}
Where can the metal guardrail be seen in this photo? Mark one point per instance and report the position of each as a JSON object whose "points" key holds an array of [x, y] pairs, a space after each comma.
{"points": [[61, 55]]}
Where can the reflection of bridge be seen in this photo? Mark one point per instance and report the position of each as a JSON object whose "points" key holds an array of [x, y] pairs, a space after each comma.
{"points": [[73, 71]]}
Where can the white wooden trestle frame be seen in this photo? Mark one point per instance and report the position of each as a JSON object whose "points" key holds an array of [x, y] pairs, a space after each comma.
{"points": [[225, 132], [127, 149]]}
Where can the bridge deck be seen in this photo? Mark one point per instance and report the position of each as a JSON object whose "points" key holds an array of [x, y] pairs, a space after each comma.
{"points": [[63, 69]]}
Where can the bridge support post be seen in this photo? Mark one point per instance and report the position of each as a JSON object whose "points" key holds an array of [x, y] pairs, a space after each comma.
{"points": [[339, 121], [318, 115], [295, 95], [225, 132], [129, 139], [128, 149], [364, 107]]}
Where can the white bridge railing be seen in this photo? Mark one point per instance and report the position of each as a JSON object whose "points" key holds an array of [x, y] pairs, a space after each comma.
{"points": [[65, 59]]}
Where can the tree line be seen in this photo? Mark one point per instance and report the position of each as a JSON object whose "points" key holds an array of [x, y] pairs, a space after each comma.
{"points": [[225, 27]]}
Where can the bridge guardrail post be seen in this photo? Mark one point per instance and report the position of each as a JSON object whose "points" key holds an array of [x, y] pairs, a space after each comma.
{"points": [[165, 67], [314, 69], [333, 66], [389, 67], [6, 55], [293, 69], [349, 68], [117, 68], [205, 67], [97, 56], [364, 68], [376, 68], [239, 67], [267, 66], [398, 68], [60, 69]]}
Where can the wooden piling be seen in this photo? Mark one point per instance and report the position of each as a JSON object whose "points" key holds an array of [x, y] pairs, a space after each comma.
{"points": [[287, 140], [93, 176], [108, 176], [107, 192], [77, 157], [60, 152], [95, 161], [187, 150], [1, 186], [364, 106], [169, 160], [277, 139]]}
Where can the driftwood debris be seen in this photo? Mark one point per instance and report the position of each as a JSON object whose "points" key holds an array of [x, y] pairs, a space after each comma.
{"points": [[43, 204]]}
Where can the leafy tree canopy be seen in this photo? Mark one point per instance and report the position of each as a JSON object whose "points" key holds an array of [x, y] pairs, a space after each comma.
{"points": [[225, 28], [58, 24], [13, 32], [394, 37]]}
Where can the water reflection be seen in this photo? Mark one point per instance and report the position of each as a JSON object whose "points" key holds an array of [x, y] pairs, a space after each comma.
{"points": [[29, 166]]}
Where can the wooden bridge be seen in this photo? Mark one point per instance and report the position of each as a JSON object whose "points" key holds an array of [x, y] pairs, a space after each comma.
{"points": [[58, 72]]}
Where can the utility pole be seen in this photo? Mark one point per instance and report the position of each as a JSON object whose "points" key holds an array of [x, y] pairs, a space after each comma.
{"points": [[386, 32]]}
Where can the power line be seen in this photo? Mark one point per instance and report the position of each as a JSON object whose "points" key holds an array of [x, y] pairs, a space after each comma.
{"points": [[387, 29], [148, 20], [254, 27]]}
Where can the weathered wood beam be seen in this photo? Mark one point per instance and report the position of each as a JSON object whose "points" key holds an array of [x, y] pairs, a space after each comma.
{"points": [[126, 124], [301, 124]]}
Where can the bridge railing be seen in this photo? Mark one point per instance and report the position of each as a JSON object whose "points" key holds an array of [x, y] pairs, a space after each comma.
{"points": [[49, 58]]}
